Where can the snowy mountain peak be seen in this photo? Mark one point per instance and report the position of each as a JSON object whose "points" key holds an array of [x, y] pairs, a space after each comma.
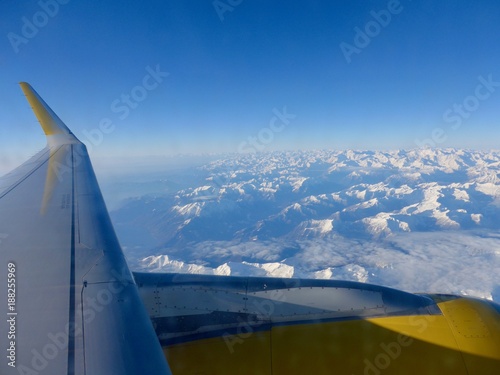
{"points": [[253, 210]]}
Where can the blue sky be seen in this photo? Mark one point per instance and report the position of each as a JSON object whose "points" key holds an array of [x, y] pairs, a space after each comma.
{"points": [[239, 76]]}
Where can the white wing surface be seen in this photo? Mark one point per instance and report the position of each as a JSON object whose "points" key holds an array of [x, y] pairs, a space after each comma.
{"points": [[69, 302]]}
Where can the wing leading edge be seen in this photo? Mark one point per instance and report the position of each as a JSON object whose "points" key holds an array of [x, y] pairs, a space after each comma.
{"points": [[72, 304]]}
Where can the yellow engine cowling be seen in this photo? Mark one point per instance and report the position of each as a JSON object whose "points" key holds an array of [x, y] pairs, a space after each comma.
{"points": [[464, 339]]}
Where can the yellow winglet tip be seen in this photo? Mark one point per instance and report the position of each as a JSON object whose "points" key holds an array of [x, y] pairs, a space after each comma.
{"points": [[51, 123]]}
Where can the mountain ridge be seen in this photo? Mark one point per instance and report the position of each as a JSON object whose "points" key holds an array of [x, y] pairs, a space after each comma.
{"points": [[284, 199]]}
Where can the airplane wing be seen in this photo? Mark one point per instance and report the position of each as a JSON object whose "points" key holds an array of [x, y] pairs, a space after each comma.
{"points": [[70, 304]]}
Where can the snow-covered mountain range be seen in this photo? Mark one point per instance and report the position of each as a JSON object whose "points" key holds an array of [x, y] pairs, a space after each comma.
{"points": [[421, 220]]}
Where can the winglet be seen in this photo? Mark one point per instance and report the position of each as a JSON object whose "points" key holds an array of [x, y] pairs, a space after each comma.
{"points": [[56, 131]]}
